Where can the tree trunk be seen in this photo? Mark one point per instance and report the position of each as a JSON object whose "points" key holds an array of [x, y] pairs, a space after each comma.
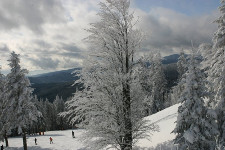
{"points": [[24, 141], [6, 139], [127, 119], [128, 139]]}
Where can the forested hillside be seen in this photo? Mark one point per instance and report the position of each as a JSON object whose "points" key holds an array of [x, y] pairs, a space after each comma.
{"points": [[60, 83]]}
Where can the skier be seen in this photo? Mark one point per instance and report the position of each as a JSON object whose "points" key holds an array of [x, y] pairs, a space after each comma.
{"points": [[35, 140], [73, 134], [51, 140], [2, 147]]}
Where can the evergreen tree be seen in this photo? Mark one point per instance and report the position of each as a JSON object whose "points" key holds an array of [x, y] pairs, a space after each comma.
{"points": [[181, 68], [216, 73], [38, 126], [2, 84], [206, 52], [60, 107], [220, 109], [181, 65], [42, 119], [196, 128], [50, 115], [19, 111], [111, 105], [158, 84]]}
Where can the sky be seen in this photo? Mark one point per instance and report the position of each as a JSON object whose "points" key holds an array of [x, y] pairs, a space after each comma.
{"points": [[48, 34]]}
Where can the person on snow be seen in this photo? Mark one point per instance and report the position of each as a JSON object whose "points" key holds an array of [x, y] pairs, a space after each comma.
{"points": [[51, 140], [35, 140], [2, 147], [73, 134]]}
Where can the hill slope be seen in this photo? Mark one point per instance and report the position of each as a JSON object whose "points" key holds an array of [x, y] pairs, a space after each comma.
{"points": [[63, 139], [165, 119], [54, 77], [49, 85]]}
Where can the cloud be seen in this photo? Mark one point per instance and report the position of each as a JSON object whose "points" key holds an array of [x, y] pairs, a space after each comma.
{"points": [[45, 63], [41, 43], [4, 48], [170, 31], [49, 33], [70, 47], [30, 13]]}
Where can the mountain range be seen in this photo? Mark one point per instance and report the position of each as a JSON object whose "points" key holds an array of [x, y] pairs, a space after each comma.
{"points": [[48, 85]]}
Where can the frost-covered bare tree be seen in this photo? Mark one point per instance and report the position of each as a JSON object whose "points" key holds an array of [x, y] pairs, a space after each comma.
{"points": [[111, 105], [196, 126], [217, 73], [19, 112]]}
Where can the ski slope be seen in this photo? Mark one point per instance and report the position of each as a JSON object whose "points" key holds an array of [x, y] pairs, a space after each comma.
{"points": [[165, 119], [62, 140]]}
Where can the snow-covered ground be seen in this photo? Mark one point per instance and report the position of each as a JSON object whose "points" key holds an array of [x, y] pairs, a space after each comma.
{"points": [[62, 140]]}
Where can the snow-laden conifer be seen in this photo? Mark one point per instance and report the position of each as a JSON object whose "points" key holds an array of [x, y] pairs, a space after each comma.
{"points": [[60, 107], [50, 115], [157, 81], [205, 50], [2, 84], [111, 105], [220, 109], [19, 111], [181, 65], [196, 128], [216, 73], [181, 69]]}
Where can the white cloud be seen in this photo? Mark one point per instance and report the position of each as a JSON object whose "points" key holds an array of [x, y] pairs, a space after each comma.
{"points": [[170, 31], [51, 36]]}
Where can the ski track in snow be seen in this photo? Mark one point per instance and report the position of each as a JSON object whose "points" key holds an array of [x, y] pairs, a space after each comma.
{"points": [[62, 140]]}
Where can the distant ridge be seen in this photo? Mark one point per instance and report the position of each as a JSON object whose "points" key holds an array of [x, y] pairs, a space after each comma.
{"points": [[54, 77], [48, 85], [170, 59]]}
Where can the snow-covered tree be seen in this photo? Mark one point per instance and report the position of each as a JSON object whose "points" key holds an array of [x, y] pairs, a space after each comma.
{"points": [[111, 105], [157, 82], [205, 50], [19, 111], [50, 115], [216, 73], [2, 84], [220, 109], [181, 69], [176, 92], [196, 127], [60, 107], [38, 126], [181, 65]]}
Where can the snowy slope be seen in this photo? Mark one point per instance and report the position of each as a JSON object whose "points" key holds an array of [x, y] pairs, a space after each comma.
{"points": [[165, 119], [63, 139]]}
